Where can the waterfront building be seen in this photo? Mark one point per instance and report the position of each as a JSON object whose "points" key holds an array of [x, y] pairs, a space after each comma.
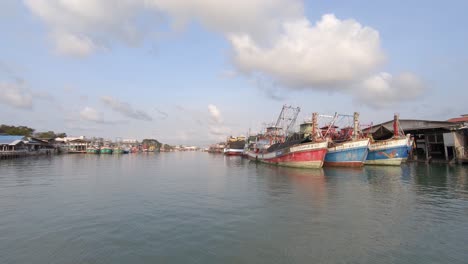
{"points": [[12, 146], [433, 140]]}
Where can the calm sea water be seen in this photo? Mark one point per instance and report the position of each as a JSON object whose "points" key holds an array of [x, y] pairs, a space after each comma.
{"points": [[203, 208]]}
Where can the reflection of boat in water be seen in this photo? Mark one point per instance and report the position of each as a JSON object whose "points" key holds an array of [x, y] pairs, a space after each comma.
{"points": [[297, 172], [311, 184], [391, 151], [294, 150]]}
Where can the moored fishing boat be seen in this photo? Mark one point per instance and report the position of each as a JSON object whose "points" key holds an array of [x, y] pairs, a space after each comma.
{"points": [[92, 150], [234, 146], [347, 154], [291, 151], [106, 150], [118, 150], [126, 150], [391, 151], [347, 149]]}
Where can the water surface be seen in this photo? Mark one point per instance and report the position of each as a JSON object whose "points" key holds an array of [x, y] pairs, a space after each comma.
{"points": [[201, 208]]}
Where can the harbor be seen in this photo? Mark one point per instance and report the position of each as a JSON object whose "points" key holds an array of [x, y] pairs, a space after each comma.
{"points": [[308, 145], [353, 145], [216, 131]]}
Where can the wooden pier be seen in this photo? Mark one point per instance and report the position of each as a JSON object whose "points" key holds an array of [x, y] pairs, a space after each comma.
{"points": [[12, 154]]}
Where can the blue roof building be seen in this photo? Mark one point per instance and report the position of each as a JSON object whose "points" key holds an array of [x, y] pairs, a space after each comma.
{"points": [[10, 140]]}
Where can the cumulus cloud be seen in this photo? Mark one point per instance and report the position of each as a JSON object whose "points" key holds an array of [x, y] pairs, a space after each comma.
{"points": [[14, 94], [80, 27], [125, 109], [329, 53], [383, 89], [73, 45], [215, 113], [217, 127], [91, 114], [14, 90], [270, 39]]}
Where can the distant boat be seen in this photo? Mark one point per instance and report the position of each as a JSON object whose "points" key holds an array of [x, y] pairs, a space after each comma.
{"points": [[234, 146], [392, 151], [106, 150], [92, 150], [290, 151], [351, 151], [126, 150], [118, 150]]}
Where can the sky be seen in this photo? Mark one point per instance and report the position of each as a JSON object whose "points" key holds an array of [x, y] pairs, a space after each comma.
{"points": [[194, 72]]}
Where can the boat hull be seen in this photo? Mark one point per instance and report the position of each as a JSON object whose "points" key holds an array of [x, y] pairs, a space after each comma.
{"points": [[388, 152], [92, 151], [106, 151], [307, 155], [347, 154], [233, 152], [119, 151]]}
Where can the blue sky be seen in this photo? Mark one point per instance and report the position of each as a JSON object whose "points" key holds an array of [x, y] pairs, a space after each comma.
{"points": [[194, 72]]}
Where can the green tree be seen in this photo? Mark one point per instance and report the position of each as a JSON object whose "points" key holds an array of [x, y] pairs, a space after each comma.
{"points": [[49, 134], [151, 142], [16, 130]]}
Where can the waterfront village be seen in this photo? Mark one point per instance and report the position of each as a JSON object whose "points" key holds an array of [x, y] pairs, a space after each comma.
{"points": [[21, 141], [421, 140]]}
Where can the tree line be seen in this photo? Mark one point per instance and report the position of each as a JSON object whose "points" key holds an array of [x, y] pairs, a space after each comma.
{"points": [[28, 132]]}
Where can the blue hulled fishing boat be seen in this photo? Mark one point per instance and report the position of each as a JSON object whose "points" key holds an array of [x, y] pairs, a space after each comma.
{"points": [[392, 151]]}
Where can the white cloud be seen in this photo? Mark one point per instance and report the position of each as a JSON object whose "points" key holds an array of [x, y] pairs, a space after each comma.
{"points": [[270, 39], [73, 45], [384, 90], [79, 27], [215, 113], [91, 114], [328, 54], [125, 109], [15, 95], [219, 130]]}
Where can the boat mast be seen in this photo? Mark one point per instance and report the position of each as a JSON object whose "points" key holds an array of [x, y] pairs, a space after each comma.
{"points": [[356, 125], [287, 118], [314, 125], [396, 130]]}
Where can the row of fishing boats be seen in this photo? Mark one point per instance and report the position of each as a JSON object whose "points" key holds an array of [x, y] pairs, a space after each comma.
{"points": [[314, 147], [108, 150]]}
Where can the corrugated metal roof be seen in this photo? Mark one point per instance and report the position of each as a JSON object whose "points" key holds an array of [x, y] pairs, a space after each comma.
{"points": [[458, 119], [16, 142], [410, 124], [7, 140]]}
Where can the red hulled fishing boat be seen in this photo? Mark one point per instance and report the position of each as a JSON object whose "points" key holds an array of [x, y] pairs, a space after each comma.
{"points": [[280, 147]]}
